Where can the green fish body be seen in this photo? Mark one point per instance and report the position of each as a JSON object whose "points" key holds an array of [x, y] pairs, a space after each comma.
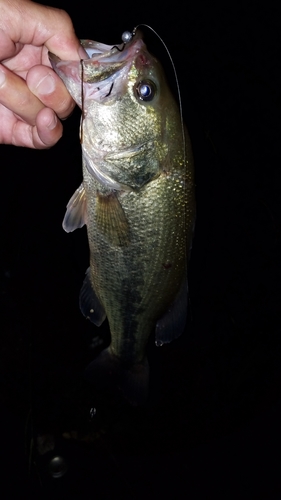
{"points": [[137, 200]]}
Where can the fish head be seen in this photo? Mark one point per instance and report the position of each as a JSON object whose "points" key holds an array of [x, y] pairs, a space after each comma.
{"points": [[130, 119], [109, 72]]}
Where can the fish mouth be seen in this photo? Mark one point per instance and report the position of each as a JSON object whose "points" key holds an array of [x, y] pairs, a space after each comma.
{"points": [[105, 61], [100, 70], [102, 61], [112, 53]]}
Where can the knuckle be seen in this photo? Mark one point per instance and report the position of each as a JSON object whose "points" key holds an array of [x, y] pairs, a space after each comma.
{"points": [[65, 20]]}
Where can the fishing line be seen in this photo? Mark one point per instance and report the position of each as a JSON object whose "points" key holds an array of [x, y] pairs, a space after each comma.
{"points": [[126, 38], [82, 101]]}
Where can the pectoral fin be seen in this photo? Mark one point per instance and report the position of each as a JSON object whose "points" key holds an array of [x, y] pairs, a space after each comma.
{"points": [[89, 303], [75, 216], [172, 323], [111, 219]]}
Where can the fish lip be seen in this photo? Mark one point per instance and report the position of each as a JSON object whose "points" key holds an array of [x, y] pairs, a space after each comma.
{"points": [[112, 53], [97, 50], [101, 55]]}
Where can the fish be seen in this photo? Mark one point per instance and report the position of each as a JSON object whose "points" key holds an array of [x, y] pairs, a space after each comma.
{"points": [[138, 203]]}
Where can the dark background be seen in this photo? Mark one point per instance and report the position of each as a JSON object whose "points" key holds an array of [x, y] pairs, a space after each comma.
{"points": [[211, 428]]}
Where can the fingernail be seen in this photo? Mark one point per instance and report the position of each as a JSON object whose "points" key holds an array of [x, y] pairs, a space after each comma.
{"points": [[46, 85], [2, 77], [52, 123]]}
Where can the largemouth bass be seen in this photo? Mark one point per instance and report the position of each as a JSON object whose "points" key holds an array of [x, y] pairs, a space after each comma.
{"points": [[137, 200]]}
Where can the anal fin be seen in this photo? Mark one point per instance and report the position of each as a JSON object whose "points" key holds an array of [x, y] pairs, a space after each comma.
{"points": [[89, 303], [171, 325]]}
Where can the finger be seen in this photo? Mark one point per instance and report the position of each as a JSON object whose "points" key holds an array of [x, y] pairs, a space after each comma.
{"points": [[46, 132], [49, 88], [48, 129], [8, 48], [57, 33], [16, 96], [31, 23]]}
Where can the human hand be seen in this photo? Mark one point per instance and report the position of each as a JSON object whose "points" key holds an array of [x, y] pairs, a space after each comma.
{"points": [[32, 96]]}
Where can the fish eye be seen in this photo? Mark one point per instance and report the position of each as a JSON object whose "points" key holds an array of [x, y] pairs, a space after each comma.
{"points": [[145, 90]]}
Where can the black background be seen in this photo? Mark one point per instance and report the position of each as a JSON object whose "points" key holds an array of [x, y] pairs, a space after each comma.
{"points": [[212, 425]]}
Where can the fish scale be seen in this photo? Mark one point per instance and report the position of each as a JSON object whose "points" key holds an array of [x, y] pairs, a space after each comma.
{"points": [[137, 200]]}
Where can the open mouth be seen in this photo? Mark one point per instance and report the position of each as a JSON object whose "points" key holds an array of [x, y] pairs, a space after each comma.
{"points": [[112, 53]]}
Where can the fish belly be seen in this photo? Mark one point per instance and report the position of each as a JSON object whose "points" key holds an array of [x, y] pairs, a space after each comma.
{"points": [[137, 276]]}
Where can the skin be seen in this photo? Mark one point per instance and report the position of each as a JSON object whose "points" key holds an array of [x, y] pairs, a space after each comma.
{"points": [[32, 96]]}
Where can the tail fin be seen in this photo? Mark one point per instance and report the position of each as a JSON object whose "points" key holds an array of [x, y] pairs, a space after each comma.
{"points": [[107, 372]]}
